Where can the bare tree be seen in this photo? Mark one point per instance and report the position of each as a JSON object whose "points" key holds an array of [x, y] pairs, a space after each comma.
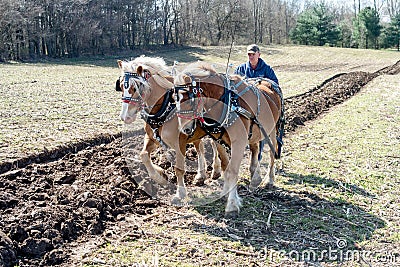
{"points": [[393, 8], [42, 28]]}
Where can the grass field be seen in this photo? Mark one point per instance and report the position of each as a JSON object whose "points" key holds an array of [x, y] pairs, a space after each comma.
{"points": [[351, 157], [46, 105], [336, 202]]}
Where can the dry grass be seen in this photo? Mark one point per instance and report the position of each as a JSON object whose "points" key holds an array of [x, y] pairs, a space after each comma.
{"points": [[46, 105], [339, 179], [300, 68], [50, 104]]}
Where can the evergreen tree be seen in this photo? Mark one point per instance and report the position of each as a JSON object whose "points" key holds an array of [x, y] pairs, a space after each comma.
{"points": [[315, 27], [367, 27], [303, 31], [393, 33], [345, 34]]}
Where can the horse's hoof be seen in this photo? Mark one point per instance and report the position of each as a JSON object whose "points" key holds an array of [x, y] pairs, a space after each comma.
{"points": [[254, 184], [215, 175], [176, 201], [198, 181], [231, 214]]}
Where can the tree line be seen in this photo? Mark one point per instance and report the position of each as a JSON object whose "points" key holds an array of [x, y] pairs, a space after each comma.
{"points": [[322, 25], [32, 29]]}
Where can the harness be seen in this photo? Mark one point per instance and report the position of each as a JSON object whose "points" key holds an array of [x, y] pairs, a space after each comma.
{"points": [[163, 115], [230, 112], [280, 124], [155, 121]]}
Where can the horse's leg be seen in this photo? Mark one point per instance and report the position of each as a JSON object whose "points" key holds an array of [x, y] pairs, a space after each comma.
{"points": [[254, 166], [154, 171], [223, 156], [230, 180], [180, 172], [272, 161], [201, 163], [270, 176], [216, 172]]}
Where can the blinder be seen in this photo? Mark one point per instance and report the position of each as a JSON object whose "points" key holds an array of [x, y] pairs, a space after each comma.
{"points": [[192, 89], [118, 85], [127, 77]]}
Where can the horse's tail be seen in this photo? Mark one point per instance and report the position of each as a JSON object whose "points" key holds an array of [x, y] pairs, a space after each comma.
{"points": [[280, 131]]}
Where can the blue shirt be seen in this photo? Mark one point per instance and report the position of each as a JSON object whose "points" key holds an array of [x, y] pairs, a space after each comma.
{"points": [[262, 70]]}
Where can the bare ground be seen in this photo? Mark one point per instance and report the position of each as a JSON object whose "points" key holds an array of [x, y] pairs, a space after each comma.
{"points": [[54, 201]]}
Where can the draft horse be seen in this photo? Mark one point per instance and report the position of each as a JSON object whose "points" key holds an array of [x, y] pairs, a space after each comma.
{"points": [[147, 88], [234, 112]]}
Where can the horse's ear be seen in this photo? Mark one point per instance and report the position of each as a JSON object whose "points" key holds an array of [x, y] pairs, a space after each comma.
{"points": [[139, 70], [187, 79], [119, 63]]}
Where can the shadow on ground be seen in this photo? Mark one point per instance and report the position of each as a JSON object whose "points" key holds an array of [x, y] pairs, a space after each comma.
{"points": [[289, 221]]}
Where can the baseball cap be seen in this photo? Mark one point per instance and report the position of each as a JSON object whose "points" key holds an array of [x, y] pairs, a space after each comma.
{"points": [[253, 48]]}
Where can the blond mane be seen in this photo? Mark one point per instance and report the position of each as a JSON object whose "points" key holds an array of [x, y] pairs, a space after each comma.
{"points": [[198, 70], [156, 65], [153, 64]]}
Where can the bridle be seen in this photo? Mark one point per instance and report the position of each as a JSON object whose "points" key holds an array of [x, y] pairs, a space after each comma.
{"points": [[139, 83], [195, 96]]}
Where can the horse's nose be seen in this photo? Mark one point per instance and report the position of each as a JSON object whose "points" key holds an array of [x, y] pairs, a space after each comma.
{"points": [[129, 120]]}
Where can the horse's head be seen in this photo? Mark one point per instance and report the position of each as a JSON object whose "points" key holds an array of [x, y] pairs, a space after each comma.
{"points": [[143, 80], [134, 87], [189, 95]]}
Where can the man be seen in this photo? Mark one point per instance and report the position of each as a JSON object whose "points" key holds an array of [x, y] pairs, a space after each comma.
{"points": [[254, 68]]}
